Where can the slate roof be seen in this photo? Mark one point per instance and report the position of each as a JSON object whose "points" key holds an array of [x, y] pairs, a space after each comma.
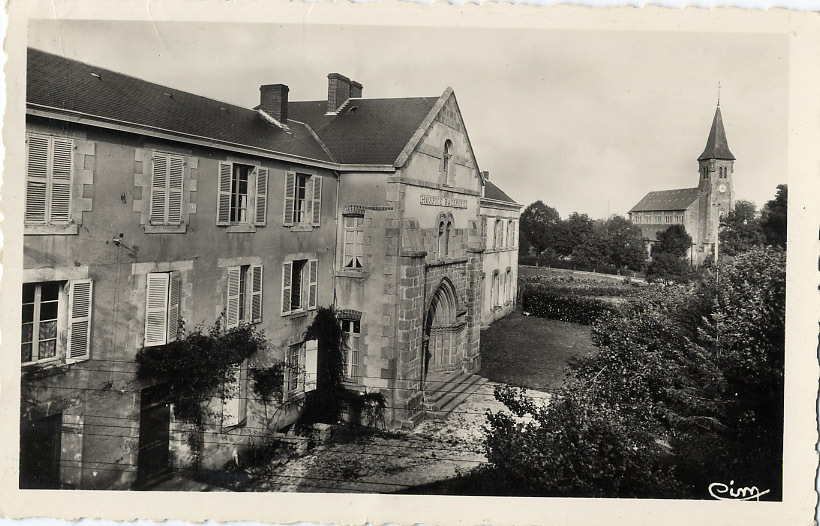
{"points": [[365, 131], [67, 86], [679, 199], [716, 145], [491, 191]]}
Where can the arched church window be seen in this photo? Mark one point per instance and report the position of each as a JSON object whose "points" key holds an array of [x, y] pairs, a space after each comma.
{"points": [[441, 239], [447, 231]]}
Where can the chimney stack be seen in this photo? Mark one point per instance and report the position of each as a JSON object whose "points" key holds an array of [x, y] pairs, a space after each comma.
{"points": [[340, 89], [355, 90], [273, 100], [486, 175]]}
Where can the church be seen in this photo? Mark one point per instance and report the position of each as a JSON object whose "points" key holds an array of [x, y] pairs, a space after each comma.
{"points": [[698, 209]]}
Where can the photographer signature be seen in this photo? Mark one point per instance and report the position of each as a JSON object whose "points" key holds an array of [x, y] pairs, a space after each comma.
{"points": [[721, 491]]}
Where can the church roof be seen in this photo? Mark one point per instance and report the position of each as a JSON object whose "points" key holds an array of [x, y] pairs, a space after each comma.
{"points": [[679, 199], [716, 146]]}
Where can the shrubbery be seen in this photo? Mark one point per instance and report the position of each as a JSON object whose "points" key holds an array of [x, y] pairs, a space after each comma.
{"points": [[686, 389], [565, 299]]}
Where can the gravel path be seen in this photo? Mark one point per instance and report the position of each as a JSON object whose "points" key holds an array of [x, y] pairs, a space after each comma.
{"points": [[384, 462]]}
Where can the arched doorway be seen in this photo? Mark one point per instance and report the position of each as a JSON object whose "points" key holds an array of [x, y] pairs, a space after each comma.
{"points": [[439, 343]]}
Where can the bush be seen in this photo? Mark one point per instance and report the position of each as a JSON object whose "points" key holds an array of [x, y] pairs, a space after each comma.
{"points": [[561, 304]]}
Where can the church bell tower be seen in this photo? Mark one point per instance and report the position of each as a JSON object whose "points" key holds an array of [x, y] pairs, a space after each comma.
{"points": [[716, 194]]}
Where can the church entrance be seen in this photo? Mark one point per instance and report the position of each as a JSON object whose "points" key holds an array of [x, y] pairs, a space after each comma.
{"points": [[439, 344]]}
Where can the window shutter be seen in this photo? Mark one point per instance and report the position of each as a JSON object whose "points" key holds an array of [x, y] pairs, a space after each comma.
{"points": [[243, 392], [317, 199], [176, 168], [287, 268], [256, 293], [156, 309], [311, 364], [79, 324], [36, 178], [159, 190], [231, 394], [261, 196], [223, 205], [290, 194], [232, 307], [62, 153], [173, 306], [314, 264]]}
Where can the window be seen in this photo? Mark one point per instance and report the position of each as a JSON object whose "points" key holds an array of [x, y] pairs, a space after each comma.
{"points": [[657, 219], [509, 285], [243, 195], [510, 233], [668, 218], [303, 199], [499, 234], [440, 246], [244, 297], [297, 276], [45, 318], [447, 230], [292, 371], [48, 179], [494, 290], [166, 189], [352, 330], [446, 162], [352, 250], [235, 402], [162, 308]]}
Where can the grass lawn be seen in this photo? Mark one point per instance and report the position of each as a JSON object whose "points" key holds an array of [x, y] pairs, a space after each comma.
{"points": [[530, 351]]}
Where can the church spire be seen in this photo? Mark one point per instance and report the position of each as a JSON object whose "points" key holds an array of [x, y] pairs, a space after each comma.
{"points": [[716, 146]]}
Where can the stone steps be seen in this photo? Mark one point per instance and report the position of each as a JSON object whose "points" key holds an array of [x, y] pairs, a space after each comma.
{"points": [[449, 392]]}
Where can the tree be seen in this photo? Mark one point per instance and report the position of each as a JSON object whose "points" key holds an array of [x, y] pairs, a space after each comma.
{"points": [[572, 232], [773, 218], [687, 386], [325, 403], [740, 229], [674, 240], [627, 247], [537, 226], [668, 264]]}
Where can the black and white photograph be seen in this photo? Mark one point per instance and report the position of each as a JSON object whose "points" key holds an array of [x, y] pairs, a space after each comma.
{"points": [[414, 258]]}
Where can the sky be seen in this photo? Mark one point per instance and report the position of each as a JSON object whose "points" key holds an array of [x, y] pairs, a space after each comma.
{"points": [[585, 121]]}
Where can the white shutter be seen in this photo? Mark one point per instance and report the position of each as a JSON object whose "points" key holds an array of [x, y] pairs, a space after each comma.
{"points": [[308, 218], [36, 178], [173, 306], [311, 364], [256, 293], [159, 190], [261, 207], [232, 307], [317, 200], [223, 203], [176, 169], [156, 309], [287, 269], [60, 198], [79, 323], [312, 283], [290, 194]]}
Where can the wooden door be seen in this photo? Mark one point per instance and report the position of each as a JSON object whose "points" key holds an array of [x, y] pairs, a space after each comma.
{"points": [[155, 431], [40, 452]]}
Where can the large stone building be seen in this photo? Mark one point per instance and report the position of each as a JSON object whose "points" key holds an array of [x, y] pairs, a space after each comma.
{"points": [[178, 207], [698, 209]]}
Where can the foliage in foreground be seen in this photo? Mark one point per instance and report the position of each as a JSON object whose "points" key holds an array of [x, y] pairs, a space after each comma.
{"points": [[686, 389]]}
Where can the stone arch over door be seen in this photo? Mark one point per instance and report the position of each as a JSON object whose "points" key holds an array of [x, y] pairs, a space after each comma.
{"points": [[441, 335]]}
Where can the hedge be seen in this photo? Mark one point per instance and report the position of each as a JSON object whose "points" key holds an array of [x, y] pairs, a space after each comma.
{"points": [[584, 287], [563, 304]]}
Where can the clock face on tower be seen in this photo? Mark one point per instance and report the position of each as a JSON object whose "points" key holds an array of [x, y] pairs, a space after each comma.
{"points": [[722, 188]]}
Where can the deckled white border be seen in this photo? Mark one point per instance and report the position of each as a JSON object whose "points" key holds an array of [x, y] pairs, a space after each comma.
{"points": [[803, 301]]}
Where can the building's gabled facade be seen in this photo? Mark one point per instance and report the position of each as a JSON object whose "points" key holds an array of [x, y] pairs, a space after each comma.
{"points": [[175, 210], [698, 209]]}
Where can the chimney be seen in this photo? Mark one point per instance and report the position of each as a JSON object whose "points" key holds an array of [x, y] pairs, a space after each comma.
{"points": [[338, 91], [355, 90], [486, 175], [273, 100]]}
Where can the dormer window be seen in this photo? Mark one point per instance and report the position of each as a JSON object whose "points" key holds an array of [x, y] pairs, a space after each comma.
{"points": [[445, 165]]}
